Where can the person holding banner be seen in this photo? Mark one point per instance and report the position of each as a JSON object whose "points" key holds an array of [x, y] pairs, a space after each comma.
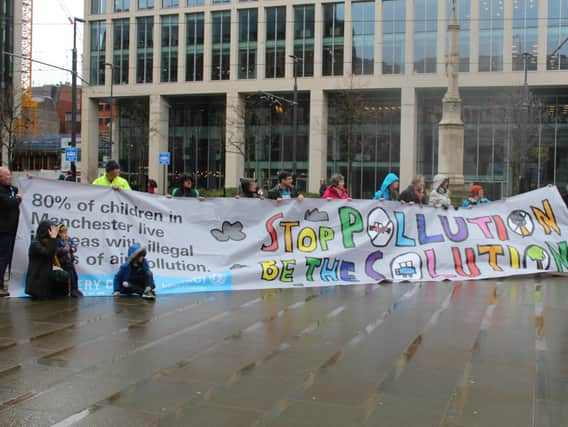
{"points": [[112, 177], [249, 189], [415, 192], [336, 188], [44, 279], [440, 195], [389, 188], [285, 188], [9, 216], [477, 197], [134, 276], [185, 188]]}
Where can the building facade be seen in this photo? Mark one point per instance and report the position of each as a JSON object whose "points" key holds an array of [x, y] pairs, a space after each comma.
{"points": [[211, 81], [10, 42]]}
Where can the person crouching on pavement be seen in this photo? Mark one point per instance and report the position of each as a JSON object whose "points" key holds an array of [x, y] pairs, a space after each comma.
{"points": [[66, 249], [134, 276], [44, 279]]}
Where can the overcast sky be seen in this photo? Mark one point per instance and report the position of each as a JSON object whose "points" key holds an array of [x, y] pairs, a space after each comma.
{"points": [[53, 39]]}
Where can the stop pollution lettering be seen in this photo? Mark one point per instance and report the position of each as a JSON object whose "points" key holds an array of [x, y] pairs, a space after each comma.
{"points": [[430, 244]]}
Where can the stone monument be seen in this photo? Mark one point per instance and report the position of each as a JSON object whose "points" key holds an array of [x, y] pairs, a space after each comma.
{"points": [[451, 128]]}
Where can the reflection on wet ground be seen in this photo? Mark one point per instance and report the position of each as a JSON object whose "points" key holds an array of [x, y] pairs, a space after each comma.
{"points": [[488, 353]]}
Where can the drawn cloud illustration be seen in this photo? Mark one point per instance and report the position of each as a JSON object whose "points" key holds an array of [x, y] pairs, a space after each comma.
{"points": [[229, 231], [315, 215]]}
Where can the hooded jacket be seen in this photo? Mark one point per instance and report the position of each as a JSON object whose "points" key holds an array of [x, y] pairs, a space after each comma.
{"points": [[41, 256], [127, 270], [383, 192], [439, 198]]}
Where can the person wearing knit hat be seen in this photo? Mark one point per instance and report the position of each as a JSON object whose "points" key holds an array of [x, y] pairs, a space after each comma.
{"points": [[476, 197], [111, 177]]}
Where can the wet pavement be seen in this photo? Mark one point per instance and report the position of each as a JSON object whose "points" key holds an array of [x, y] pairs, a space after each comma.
{"points": [[487, 353]]}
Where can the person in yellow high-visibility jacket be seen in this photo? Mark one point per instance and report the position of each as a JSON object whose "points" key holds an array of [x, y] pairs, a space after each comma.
{"points": [[112, 177]]}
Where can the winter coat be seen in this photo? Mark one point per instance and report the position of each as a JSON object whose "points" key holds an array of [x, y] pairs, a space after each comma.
{"points": [[9, 209], [334, 192], [41, 257], [66, 257], [439, 197], [276, 192], [118, 181], [185, 192], [471, 201], [384, 191], [128, 271], [411, 195]]}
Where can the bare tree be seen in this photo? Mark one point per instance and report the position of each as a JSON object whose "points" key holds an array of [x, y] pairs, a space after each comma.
{"points": [[15, 120], [525, 114], [346, 110]]}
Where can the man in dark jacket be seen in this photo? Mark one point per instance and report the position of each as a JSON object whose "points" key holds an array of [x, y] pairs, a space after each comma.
{"points": [[285, 189], [9, 215]]}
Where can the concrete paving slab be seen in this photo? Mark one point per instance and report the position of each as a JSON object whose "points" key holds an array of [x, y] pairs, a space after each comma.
{"points": [[485, 353]]}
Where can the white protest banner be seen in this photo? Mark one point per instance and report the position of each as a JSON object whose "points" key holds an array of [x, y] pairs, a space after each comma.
{"points": [[228, 244]]}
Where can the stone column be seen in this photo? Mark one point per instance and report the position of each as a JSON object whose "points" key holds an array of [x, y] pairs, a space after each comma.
{"points": [[441, 40], [508, 37], [182, 29], [234, 49], [261, 44], [289, 68], [451, 128], [157, 139], [318, 40], [408, 132], [378, 70], [542, 34], [132, 51], [409, 47], [157, 48], [348, 40], [234, 140], [318, 139], [207, 45], [474, 37], [89, 139]]}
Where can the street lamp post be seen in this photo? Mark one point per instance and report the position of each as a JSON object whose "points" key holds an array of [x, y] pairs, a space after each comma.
{"points": [[74, 94], [295, 117]]}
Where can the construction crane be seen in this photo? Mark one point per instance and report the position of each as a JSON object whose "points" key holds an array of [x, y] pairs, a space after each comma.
{"points": [[66, 11], [27, 120]]}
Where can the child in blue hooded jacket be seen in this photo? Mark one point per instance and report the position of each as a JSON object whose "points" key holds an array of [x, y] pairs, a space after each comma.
{"points": [[389, 188], [134, 276]]}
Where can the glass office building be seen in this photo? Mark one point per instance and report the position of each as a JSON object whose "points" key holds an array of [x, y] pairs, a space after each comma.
{"points": [[218, 88]]}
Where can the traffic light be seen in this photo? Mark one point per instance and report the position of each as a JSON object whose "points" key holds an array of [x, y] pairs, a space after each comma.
{"points": [[278, 108]]}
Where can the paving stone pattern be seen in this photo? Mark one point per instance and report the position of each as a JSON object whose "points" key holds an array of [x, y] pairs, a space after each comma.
{"points": [[452, 354]]}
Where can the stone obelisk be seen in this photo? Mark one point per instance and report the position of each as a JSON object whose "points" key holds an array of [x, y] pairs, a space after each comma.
{"points": [[451, 129]]}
